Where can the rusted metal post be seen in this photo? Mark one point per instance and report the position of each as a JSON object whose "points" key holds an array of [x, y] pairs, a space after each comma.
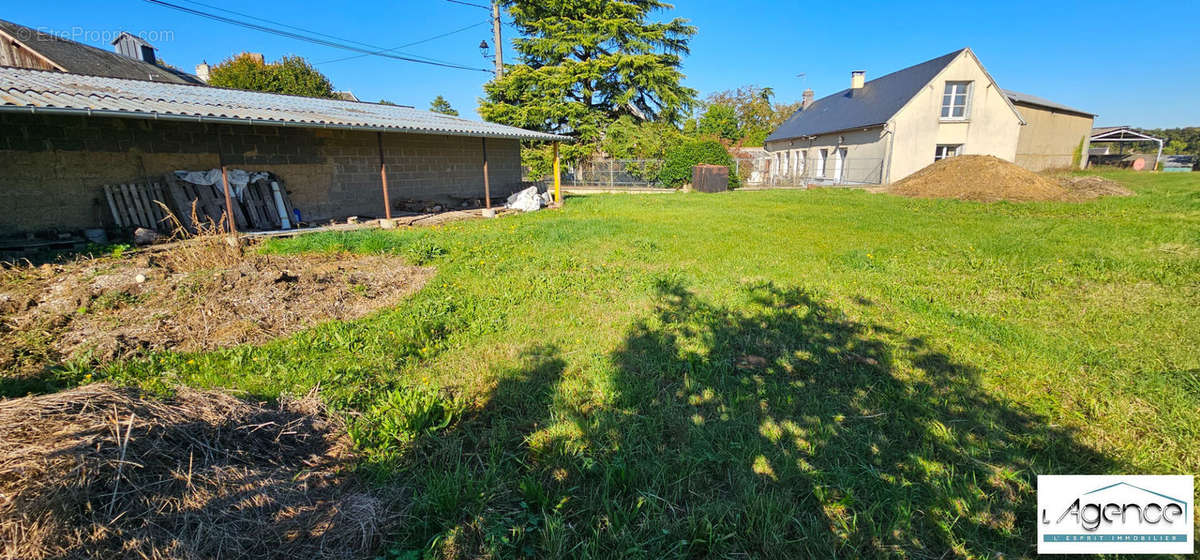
{"points": [[387, 204], [228, 201], [557, 177], [225, 184], [487, 188]]}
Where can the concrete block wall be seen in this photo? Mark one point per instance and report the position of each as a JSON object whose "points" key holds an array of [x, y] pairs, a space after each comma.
{"points": [[52, 167]]}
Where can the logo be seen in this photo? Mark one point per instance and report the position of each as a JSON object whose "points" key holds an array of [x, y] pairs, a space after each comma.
{"points": [[1084, 514]]}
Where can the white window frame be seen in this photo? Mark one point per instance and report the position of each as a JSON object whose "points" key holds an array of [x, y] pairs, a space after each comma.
{"points": [[822, 155], [956, 95], [943, 151], [839, 163], [800, 162]]}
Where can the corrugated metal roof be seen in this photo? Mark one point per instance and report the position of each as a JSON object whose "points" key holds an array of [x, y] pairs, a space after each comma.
{"points": [[45, 91], [871, 105], [1018, 97], [85, 59]]}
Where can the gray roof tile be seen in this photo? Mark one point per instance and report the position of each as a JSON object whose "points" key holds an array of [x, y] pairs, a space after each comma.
{"points": [[46, 91], [872, 105], [1018, 97], [79, 58]]}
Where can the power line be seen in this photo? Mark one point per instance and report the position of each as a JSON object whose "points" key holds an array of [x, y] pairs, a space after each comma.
{"points": [[488, 8], [307, 38], [376, 47], [406, 45]]}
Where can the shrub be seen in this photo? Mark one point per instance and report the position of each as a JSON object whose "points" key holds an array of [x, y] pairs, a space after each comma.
{"points": [[678, 164]]}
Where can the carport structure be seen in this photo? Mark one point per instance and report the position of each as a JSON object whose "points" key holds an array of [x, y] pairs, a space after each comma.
{"points": [[1125, 134]]}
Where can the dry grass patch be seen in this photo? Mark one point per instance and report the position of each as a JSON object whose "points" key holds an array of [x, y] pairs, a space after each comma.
{"points": [[101, 472], [199, 295]]}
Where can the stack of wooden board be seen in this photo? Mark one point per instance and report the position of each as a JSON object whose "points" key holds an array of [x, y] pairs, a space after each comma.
{"points": [[148, 205], [134, 205]]}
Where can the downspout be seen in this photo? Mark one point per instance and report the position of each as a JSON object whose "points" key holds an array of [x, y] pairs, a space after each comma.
{"points": [[887, 167]]}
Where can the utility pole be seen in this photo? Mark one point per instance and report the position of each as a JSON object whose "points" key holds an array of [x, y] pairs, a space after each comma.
{"points": [[496, 39]]}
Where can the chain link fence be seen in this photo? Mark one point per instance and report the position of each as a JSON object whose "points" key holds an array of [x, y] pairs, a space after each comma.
{"points": [[774, 171], [760, 171]]}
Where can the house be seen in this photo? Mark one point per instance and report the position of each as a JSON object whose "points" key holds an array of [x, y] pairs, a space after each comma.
{"points": [[65, 135], [882, 130], [133, 58]]}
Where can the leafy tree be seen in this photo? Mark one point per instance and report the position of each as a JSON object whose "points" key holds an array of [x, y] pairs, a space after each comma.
{"points": [[720, 120], [291, 75], [386, 102], [1176, 147], [629, 138], [585, 63], [644, 143], [756, 114], [440, 105], [677, 167]]}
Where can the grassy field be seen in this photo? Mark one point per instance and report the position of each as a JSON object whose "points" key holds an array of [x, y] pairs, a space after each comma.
{"points": [[756, 374]]}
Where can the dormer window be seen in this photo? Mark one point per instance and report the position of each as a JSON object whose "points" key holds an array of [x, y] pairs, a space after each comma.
{"points": [[955, 100]]}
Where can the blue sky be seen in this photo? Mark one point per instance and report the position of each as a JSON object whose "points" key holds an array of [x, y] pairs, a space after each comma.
{"points": [[1135, 64]]}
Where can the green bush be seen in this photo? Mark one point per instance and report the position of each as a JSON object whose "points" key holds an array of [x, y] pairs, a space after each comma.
{"points": [[678, 164]]}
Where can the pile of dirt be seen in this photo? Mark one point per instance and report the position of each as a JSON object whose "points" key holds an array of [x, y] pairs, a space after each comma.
{"points": [[196, 296], [1091, 186], [101, 472], [981, 178]]}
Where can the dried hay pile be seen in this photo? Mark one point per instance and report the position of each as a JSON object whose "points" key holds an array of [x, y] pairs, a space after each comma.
{"points": [[199, 295], [1091, 186], [101, 472], [980, 178]]}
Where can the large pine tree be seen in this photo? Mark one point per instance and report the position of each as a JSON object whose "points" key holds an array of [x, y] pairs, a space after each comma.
{"points": [[584, 63]]}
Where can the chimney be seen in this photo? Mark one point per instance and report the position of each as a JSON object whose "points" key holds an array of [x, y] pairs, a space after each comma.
{"points": [[806, 99], [857, 78], [133, 47], [202, 71]]}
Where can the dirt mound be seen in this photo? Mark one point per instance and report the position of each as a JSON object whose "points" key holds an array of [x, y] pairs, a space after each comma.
{"points": [[982, 178], [101, 472], [193, 297], [1091, 186]]}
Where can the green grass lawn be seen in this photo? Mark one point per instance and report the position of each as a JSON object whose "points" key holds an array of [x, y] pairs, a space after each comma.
{"points": [[757, 374]]}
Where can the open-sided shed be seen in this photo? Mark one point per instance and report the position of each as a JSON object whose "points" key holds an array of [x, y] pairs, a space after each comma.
{"points": [[64, 136], [1125, 134]]}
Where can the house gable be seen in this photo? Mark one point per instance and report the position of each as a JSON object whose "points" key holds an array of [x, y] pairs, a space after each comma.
{"points": [[991, 125], [872, 105]]}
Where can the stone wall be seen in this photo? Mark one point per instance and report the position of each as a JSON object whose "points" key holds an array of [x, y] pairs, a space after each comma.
{"points": [[52, 167]]}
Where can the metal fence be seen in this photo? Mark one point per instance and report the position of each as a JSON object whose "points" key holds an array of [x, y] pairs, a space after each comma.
{"points": [[614, 173], [751, 171], [766, 172]]}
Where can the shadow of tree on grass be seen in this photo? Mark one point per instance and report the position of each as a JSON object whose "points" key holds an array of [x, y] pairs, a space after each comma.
{"points": [[780, 428], [769, 427]]}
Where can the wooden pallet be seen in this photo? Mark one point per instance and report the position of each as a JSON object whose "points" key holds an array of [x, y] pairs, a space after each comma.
{"points": [[137, 205], [256, 210], [151, 205]]}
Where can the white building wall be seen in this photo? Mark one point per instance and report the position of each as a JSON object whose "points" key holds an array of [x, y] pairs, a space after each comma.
{"points": [[797, 160], [991, 127]]}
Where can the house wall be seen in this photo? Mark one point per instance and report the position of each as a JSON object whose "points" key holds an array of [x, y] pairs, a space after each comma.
{"points": [[865, 155], [991, 128], [52, 167], [1049, 138]]}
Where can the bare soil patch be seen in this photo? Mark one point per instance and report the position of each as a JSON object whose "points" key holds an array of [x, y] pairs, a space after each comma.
{"points": [[102, 472], [199, 295], [991, 179]]}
